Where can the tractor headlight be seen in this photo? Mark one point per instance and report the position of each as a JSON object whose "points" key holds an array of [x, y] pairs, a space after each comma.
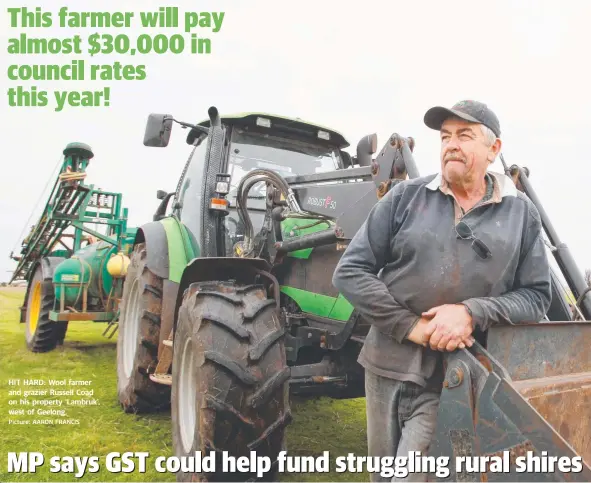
{"points": [[222, 187], [222, 184], [263, 121]]}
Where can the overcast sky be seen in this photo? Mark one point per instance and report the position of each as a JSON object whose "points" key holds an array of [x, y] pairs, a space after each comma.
{"points": [[360, 67]]}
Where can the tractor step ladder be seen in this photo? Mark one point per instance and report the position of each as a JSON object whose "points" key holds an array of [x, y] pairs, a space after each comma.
{"points": [[160, 374]]}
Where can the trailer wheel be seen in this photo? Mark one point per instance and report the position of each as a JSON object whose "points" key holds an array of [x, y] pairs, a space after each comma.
{"points": [[137, 342], [230, 378], [41, 333]]}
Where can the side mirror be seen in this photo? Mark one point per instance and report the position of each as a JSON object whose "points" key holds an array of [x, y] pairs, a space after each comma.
{"points": [[365, 148], [161, 194], [158, 130], [347, 161]]}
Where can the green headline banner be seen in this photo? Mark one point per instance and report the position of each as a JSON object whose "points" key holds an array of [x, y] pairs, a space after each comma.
{"points": [[83, 56]]}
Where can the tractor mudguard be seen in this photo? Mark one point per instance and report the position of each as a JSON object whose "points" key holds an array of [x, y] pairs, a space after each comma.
{"points": [[154, 236], [169, 247], [213, 269], [169, 250], [48, 265]]}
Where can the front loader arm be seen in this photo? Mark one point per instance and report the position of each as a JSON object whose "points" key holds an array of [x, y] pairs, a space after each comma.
{"points": [[568, 266], [352, 193], [367, 184], [482, 413]]}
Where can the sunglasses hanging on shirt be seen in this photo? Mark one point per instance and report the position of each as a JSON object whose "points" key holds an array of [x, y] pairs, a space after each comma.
{"points": [[466, 233]]}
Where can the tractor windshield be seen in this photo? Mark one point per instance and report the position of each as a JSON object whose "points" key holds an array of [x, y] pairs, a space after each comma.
{"points": [[287, 157]]}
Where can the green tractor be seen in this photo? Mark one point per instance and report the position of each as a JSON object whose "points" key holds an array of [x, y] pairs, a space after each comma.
{"points": [[228, 305]]}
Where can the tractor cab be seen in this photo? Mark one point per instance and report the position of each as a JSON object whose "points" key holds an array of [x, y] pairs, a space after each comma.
{"points": [[244, 142]]}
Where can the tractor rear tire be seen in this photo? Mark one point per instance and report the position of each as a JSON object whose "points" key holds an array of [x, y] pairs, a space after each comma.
{"points": [[230, 378], [138, 339], [41, 333]]}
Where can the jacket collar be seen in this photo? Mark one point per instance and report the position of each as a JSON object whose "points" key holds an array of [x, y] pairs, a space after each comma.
{"points": [[503, 185]]}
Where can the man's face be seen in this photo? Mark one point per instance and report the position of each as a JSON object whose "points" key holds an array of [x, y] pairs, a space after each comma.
{"points": [[464, 151]]}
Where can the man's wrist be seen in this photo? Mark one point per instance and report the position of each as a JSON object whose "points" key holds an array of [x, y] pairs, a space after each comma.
{"points": [[473, 322], [411, 327], [469, 311]]}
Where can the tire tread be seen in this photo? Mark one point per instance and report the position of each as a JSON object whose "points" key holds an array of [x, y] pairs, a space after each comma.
{"points": [[243, 373], [139, 394], [48, 334]]}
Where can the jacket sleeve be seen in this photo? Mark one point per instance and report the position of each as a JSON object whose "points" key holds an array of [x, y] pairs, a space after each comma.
{"points": [[356, 274], [530, 299]]}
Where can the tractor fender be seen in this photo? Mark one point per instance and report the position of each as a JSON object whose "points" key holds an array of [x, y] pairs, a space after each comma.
{"points": [[48, 266], [169, 247], [154, 236], [218, 269]]}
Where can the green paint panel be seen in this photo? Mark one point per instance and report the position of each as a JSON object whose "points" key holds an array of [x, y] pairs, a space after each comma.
{"points": [[70, 277], [294, 227], [313, 303], [180, 248], [342, 309], [89, 266], [191, 246], [59, 253]]}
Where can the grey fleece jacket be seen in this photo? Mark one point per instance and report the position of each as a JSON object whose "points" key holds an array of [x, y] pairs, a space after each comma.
{"points": [[408, 258]]}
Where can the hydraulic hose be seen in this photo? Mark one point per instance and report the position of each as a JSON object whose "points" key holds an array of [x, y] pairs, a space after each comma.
{"points": [[270, 174], [241, 199], [243, 211], [285, 188], [246, 183]]}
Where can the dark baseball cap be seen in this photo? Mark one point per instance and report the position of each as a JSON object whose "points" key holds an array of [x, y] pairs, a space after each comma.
{"points": [[472, 111]]}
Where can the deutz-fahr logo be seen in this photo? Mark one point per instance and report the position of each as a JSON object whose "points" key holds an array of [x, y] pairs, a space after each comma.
{"points": [[324, 202]]}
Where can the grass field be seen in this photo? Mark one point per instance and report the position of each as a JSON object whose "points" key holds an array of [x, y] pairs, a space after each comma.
{"points": [[319, 425]]}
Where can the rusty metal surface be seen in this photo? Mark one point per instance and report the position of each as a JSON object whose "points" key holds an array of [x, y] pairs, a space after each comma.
{"points": [[565, 403], [484, 414], [81, 316], [455, 434], [550, 366], [541, 350]]}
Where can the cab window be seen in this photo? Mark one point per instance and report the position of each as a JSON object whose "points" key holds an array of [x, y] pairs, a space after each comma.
{"points": [[189, 193]]}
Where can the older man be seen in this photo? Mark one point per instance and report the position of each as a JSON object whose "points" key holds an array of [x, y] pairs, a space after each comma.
{"points": [[439, 260]]}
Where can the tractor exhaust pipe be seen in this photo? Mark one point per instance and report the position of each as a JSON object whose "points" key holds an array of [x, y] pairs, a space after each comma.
{"points": [[214, 116]]}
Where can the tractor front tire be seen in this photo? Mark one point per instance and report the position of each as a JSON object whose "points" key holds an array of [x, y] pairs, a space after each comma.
{"points": [[230, 378], [41, 333], [138, 339]]}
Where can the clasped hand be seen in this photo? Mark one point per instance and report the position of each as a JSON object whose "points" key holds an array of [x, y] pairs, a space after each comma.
{"points": [[444, 328]]}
